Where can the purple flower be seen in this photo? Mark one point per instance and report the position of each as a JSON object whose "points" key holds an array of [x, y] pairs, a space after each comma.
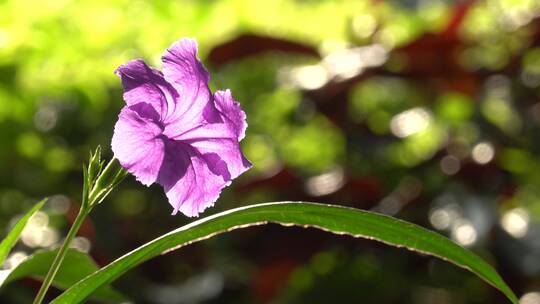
{"points": [[175, 132]]}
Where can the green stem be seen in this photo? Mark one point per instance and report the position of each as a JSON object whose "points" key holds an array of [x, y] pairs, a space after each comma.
{"points": [[94, 191], [83, 212]]}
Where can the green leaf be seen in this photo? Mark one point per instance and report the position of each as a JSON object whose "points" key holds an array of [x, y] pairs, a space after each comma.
{"points": [[12, 237], [335, 219], [76, 266]]}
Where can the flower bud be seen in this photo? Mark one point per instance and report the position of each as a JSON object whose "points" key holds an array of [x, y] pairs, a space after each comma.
{"points": [[106, 181], [94, 166]]}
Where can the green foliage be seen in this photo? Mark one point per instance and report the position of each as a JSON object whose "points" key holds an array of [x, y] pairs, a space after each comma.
{"points": [[377, 100], [466, 69], [9, 241], [335, 219], [75, 267], [454, 108]]}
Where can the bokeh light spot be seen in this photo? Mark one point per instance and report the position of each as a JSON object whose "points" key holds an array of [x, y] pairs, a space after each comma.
{"points": [[516, 222], [483, 153]]}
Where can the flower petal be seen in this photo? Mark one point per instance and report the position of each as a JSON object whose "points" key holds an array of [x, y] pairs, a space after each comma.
{"points": [[138, 145], [188, 181], [231, 112], [143, 84], [223, 120], [175, 132], [183, 70], [218, 143], [222, 155]]}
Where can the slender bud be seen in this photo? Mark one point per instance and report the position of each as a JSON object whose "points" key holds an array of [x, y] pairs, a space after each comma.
{"points": [[95, 164], [113, 174]]}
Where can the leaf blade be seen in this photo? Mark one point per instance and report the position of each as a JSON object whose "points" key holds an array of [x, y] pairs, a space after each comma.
{"points": [[331, 218], [76, 266], [13, 236]]}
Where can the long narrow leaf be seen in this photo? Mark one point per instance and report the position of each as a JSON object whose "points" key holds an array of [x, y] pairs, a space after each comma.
{"points": [[7, 244], [335, 219]]}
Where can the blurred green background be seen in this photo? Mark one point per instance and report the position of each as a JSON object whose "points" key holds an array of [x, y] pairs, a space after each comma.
{"points": [[426, 110]]}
